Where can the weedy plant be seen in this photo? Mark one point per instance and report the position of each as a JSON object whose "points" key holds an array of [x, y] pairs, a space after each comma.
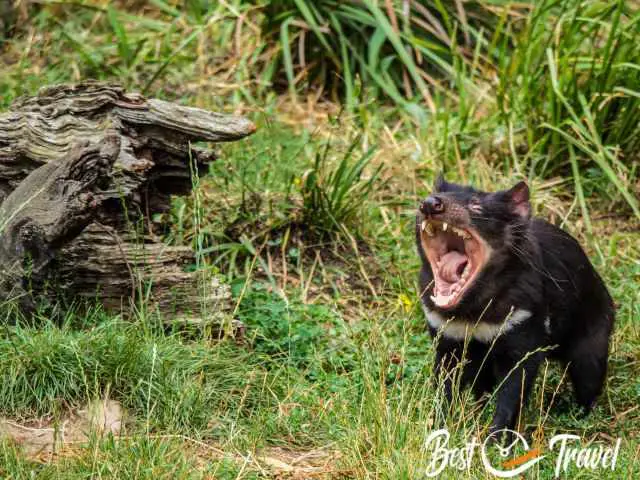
{"points": [[333, 195], [398, 49], [319, 192], [570, 85]]}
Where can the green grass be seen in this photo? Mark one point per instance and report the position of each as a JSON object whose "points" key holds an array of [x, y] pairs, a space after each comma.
{"points": [[310, 221], [532, 78], [325, 365], [140, 458]]}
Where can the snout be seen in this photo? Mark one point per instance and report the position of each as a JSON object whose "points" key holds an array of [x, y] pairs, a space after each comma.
{"points": [[432, 205]]}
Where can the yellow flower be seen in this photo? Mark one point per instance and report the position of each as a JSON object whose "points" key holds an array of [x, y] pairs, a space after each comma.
{"points": [[405, 302]]}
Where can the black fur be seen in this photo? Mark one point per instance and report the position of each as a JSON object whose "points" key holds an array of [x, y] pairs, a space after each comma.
{"points": [[535, 266]]}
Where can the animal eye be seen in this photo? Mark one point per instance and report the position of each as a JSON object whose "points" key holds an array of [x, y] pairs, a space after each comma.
{"points": [[475, 205]]}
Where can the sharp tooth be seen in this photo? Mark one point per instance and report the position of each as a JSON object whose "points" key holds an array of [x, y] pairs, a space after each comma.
{"points": [[462, 233], [433, 299], [429, 229], [424, 225], [445, 226]]}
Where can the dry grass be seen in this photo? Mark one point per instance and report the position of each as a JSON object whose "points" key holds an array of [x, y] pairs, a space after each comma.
{"points": [[333, 378]]}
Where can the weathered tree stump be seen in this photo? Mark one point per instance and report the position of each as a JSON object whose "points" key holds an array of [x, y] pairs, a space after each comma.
{"points": [[83, 170]]}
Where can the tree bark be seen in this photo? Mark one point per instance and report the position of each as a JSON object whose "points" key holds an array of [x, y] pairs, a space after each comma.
{"points": [[83, 170]]}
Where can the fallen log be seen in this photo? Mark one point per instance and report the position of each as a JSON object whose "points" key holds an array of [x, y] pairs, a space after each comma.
{"points": [[84, 169]]}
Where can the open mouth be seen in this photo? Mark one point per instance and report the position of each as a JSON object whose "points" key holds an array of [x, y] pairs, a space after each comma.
{"points": [[456, 256]]}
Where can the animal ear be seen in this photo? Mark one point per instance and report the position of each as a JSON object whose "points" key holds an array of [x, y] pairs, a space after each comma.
{"points": [[440, 184], [518, 197]]}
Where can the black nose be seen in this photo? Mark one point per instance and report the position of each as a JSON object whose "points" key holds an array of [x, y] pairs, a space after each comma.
{"points": [[432, 205]]}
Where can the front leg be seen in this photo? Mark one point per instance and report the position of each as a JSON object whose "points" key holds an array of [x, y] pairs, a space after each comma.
{"points": [[519, 375], [458, 365], [447, 361]]}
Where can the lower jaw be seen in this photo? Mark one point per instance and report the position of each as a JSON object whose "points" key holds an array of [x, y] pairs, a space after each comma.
{"points": [[445, 302], [448, 302]]}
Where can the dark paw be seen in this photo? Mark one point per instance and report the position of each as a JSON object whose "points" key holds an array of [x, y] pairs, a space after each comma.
{"points": [[585, 410], [500, 435]]}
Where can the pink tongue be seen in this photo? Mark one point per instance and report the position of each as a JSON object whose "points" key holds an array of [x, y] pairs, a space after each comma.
{"points": [[450, 265]]}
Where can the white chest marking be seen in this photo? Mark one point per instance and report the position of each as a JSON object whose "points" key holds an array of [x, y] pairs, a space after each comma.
{"points": [[482, 331]]}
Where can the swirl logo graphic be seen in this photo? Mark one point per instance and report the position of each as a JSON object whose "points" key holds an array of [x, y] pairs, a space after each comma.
{"points": [[569, 454], [515, 466]]}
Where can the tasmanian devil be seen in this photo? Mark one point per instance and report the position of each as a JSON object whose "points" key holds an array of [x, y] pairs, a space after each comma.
{"points": [[502, 290]]}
